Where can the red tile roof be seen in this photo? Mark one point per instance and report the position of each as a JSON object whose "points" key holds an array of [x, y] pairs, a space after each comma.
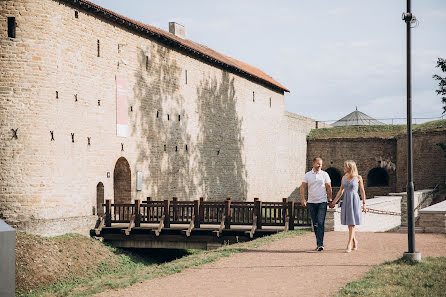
{"points": [[185, 44]]}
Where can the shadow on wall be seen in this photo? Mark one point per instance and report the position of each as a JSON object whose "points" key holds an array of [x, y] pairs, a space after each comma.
{"points": [[162, 123], [223, 173], [178, 166], [295, 195]]}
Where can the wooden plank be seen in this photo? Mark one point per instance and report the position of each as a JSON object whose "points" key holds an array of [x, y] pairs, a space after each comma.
{"points": [[101, 225], [222, 226], [254, 227], [160, 226], [131, 225], [191, 226]]}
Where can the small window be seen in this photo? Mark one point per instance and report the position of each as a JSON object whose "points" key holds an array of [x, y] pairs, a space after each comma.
{"points": [[186, 76], [270, 102], [11, 27], [179, 117], [147, 63], [76, 14], [99, 48], [253, 97]]}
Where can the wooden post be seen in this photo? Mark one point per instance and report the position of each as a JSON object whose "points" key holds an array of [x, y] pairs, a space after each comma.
{"points": [[201, 211], [258, 212], [137, 213], [108, 213], [175, 208], [167, 213], [284, 209], [197, 213], [228, 213], [291, 214]]}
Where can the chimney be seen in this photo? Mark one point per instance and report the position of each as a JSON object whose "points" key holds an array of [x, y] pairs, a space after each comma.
{"points": [[177, 29]]}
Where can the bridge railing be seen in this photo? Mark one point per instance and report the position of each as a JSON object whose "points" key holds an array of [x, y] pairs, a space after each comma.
{"points": [[301, 215], [181, 212], [211, 212], [198, 212], [152, 211], [242, 213], [119, 213]]}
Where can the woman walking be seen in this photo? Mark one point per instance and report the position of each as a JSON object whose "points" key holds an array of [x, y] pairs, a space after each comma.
{"points": [[351, 209]]}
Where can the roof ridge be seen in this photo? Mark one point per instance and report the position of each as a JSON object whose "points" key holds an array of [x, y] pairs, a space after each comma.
{"points": [[207, 52]]}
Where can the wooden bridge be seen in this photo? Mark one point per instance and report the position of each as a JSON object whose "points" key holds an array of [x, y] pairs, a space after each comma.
{"points": [[197, 224]]}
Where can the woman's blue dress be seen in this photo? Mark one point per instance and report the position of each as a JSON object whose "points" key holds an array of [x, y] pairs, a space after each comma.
{"points": [[351, 207]]}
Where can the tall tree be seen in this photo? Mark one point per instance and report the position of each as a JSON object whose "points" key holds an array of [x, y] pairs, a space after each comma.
{"points": [[441, 63]]}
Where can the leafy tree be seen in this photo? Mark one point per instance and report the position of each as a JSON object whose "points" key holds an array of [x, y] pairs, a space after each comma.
{"points": [[441, 63]]}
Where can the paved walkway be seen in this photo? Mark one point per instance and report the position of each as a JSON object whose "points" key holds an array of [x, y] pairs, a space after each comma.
{"points": [[288, 267]]}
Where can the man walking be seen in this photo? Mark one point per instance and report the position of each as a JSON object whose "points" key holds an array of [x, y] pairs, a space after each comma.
{"points": [[319, 189]]}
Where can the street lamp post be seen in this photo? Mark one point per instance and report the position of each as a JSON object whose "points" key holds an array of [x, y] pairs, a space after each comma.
{"points": [[411, 253]]}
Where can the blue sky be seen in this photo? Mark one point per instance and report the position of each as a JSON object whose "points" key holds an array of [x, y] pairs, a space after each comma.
{"points": [[332, 55]]}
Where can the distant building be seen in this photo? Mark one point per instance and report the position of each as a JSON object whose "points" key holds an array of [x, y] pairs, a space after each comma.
{"points": [[357, 118]]}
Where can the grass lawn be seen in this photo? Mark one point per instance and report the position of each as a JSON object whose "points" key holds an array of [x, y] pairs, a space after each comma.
{"points": [[128, 269], [401, 278]]}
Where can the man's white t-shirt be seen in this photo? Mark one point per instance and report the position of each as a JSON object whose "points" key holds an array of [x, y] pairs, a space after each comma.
{"points": [[317, 192]]}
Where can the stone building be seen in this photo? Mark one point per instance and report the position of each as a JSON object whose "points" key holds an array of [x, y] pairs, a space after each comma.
{"points": [[382, 162], [96, 106]]}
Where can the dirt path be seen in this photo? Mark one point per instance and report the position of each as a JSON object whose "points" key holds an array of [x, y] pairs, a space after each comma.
{"points": [[288, 267]]}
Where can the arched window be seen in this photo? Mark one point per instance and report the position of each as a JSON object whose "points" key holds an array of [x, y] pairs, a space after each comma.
{"points": [[335, 176], [100, 199], [377, 177]]}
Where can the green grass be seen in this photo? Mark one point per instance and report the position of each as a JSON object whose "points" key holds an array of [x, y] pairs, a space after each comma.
{"points": [[401, 278], [134, 269], [377, 131]]}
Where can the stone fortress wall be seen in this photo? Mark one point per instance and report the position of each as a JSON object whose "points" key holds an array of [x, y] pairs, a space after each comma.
{"points": [[194, 129], [387, 158]]}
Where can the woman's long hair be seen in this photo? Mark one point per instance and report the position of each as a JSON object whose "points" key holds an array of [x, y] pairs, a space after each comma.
{"points": [[350, 164]]}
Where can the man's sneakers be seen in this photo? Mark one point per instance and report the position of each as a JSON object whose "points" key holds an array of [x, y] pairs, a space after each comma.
{"points": [[320, 248]]}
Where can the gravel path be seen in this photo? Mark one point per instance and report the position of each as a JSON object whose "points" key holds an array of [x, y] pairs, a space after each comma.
{"points": [[288, 267]]}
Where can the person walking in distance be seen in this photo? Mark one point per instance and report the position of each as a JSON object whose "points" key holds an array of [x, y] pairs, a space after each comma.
{"points": [[319, 191], [351, 208]]}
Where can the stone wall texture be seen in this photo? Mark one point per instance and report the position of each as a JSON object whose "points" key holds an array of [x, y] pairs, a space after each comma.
{"points": [[368, 153], [207, 133], [433, 218], [429, 160]]}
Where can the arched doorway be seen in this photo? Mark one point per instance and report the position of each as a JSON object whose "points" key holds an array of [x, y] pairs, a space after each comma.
{"points": [[100, 199], [377, 177], [122, 181], [335, 176]]}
